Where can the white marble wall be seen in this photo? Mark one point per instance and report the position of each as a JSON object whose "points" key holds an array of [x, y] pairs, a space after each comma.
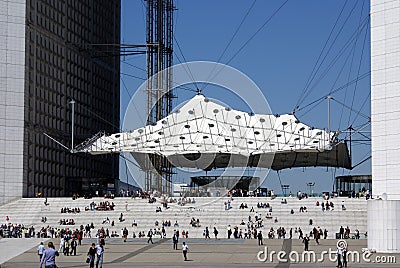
{"points": [[384, 215], [385, 97], [384, 225], [12, 73]]}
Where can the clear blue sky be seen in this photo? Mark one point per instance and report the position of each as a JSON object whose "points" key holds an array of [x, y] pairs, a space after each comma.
{"points": [[280, 59]]}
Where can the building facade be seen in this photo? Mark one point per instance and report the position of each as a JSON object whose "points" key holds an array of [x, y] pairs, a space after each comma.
{"points": [[384, 210], [48, 57]]}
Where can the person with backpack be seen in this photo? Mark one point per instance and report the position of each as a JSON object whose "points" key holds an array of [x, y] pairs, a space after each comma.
{"points": [[215, 233]]}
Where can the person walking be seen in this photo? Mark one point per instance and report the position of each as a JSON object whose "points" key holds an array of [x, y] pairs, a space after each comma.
{"points": [[99, 253], [344, 262], [316, 235], [341, 232], [80, 236], [74, 244], [175, 240], [306, 241], [339, 253], [325, 233], [125, 234], [40, 250], [163, 232], [66, 247], [61, 248], [49, 256], [229, 232], [92, 255], [150, 236], [260, 238], [300, 234], [185, 249], [215, 233], [207, 233]]}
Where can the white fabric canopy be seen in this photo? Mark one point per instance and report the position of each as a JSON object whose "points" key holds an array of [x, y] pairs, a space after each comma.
{"points": [[204, 127]]}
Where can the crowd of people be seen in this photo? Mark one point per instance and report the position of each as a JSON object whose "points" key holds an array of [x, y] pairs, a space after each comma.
{"points": [[164, 223], [181, 201], [10, 230], [253, 231], [194, 222], [102, 206], [252, 228], [328, 205], [70, 210], [66, 222], [243, 206], [227, 204], [47, 257], [253, 224], [263, 205]]}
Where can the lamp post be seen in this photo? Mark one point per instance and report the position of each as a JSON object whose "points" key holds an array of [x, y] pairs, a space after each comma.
{"points": [[311, 185], [285, 187]]}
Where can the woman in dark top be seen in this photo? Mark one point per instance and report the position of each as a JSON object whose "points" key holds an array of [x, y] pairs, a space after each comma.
{"points": [[91, 254]]}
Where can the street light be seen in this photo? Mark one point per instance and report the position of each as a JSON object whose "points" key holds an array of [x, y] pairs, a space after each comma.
{"points": [[285, 187], [311, 185]]}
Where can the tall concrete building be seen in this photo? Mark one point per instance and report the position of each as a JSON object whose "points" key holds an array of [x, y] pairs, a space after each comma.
{"points": [[47, 58], [384, 211]]}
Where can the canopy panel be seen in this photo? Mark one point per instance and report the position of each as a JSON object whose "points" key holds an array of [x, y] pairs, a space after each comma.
{"points": [[205, 135]]}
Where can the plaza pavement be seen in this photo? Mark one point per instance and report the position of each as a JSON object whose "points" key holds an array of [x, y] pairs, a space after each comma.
{"points": [[210, 253]]}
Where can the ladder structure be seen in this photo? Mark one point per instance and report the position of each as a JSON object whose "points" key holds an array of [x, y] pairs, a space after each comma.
{"points": [[159, 49]]}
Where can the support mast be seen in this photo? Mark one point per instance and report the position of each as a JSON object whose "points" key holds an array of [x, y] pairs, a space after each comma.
{"points": [[159, 46]]}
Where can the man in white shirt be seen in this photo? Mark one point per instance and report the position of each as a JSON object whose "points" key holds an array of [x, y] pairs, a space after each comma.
{"points": [[99, 253], [185, 249]]}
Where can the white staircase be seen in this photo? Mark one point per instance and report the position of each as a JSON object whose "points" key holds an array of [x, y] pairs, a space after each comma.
{"points": [[209, 211]]}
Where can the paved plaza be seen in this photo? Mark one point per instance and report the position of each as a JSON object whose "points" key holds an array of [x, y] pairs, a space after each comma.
{"points": [[210, 253]]}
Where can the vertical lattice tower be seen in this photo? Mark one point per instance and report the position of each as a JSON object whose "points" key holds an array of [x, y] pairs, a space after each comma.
{"points": [[159, 44]]}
